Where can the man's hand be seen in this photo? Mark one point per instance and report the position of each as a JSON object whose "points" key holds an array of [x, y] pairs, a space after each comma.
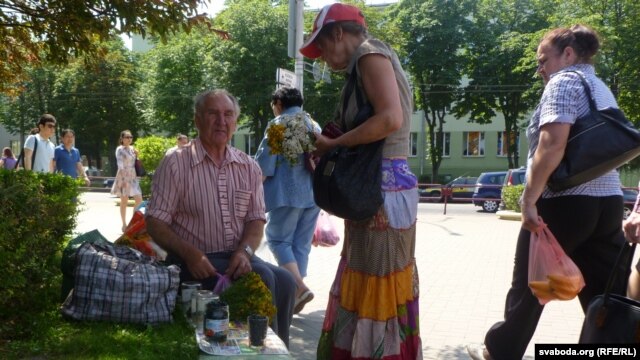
{"points": [[199, 266], [87, 182], [239, 264], [631, 227]]}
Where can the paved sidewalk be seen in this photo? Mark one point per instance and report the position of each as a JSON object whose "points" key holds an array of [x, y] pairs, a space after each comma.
{"points": [[464, 258]]}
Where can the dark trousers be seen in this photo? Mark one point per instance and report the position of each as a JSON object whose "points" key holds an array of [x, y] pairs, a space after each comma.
{"points": [[280, 282], [589, 229]]}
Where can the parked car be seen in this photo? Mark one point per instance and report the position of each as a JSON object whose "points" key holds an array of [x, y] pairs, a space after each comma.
{"points": [[92, 171], [461, 188], [630, 195], [108, 183], [488, 190], [513, 177]]}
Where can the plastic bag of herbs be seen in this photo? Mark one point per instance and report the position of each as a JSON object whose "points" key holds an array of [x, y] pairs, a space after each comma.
{"points": [[248, 295]]}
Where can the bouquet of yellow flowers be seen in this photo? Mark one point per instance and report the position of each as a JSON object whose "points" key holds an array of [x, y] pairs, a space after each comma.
{"points": [[291, 135], [248, 295]]}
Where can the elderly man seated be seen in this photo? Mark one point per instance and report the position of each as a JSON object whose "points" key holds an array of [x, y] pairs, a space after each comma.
{"points": [[207, 208]]}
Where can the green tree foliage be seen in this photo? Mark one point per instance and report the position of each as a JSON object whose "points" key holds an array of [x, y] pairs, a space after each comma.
{"points": [[39, 212], [175, 72], [500, 66], [434, 33], [246, 63], [97, 98], [55, 30], [31, 98]]}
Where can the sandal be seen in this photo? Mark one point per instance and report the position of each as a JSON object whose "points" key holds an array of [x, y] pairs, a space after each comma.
{"points": [[302, 300]]}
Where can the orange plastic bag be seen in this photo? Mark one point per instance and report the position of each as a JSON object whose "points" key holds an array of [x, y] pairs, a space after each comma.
{"points": [[136, 236], [552, 274]]}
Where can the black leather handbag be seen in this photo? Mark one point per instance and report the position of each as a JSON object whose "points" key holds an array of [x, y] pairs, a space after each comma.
{"points": [[599, 142], [348, 181], [612, 318], [140, 171]]}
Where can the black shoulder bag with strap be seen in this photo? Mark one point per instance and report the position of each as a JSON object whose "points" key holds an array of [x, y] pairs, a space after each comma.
{"points": [[598, 142], [613, 318], [348, 181], [33, 155]]}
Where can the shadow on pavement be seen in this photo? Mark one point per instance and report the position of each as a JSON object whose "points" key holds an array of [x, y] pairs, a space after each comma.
{"points": [[304, 334]]}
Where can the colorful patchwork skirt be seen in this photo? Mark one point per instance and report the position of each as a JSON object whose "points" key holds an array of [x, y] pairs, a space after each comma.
{"points": [[373, 310]]}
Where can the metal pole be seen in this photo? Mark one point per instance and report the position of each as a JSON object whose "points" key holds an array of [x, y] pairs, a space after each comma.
{"points": [[299, 67]]}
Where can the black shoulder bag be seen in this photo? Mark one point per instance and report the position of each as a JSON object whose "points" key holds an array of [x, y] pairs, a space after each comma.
{"points": [[598, 142], [348, 181], [613, 318], [33, 156]]}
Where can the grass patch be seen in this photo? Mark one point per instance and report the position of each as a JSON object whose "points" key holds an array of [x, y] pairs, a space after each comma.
{"points": [[53, 337]]}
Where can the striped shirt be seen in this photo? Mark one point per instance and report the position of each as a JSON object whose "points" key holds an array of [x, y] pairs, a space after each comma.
{"points": [[206, 205], [564, 100]]}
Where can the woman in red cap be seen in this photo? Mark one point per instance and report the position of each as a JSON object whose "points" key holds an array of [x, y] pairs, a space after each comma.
{"points": [[373, 306]]}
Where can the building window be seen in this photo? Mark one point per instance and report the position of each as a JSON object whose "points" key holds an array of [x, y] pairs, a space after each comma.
{"points": [[250, 146], [503, 148], [446, 144], [413, 144], [473, 143]]}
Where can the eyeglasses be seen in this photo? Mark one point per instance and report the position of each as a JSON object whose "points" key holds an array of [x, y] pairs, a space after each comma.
{"points": [[127, 137], [51, 126]]}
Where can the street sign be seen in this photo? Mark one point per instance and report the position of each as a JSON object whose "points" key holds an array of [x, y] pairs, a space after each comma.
{"points": [[286, 78]]}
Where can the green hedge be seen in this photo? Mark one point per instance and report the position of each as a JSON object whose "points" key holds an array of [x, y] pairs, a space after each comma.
{"points": [[151, 150], [38, 214], [511, 196]]}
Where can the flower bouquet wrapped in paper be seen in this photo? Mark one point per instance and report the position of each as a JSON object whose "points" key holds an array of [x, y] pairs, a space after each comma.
{"points": [[291, 136]]}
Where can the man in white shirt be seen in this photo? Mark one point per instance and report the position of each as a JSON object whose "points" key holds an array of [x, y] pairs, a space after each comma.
{"points": [[43, 160], [181, 141]]}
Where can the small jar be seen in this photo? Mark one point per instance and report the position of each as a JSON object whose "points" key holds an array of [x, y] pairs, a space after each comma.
{"points": [[216, 321], [203, 297], [188, 290]]}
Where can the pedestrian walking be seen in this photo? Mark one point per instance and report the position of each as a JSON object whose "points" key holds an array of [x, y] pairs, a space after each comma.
{"points": [[66, 158], [586, 219], [126, 183], [38, 148], [288, 194], [182, 140], [8, 160]]}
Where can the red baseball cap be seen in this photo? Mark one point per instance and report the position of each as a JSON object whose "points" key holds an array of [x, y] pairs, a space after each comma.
{"points": [[328, 14]]}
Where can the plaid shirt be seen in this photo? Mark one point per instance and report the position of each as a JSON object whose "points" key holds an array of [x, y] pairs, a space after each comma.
{"points": [[204, 204], [564, 100]]}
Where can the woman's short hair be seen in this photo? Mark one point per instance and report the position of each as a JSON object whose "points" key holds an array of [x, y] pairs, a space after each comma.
{"points": [[288, 97], [581, 38]]}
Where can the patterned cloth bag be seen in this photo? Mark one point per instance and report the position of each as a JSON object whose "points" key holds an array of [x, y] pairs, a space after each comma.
{"points": [[118, 283]]}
